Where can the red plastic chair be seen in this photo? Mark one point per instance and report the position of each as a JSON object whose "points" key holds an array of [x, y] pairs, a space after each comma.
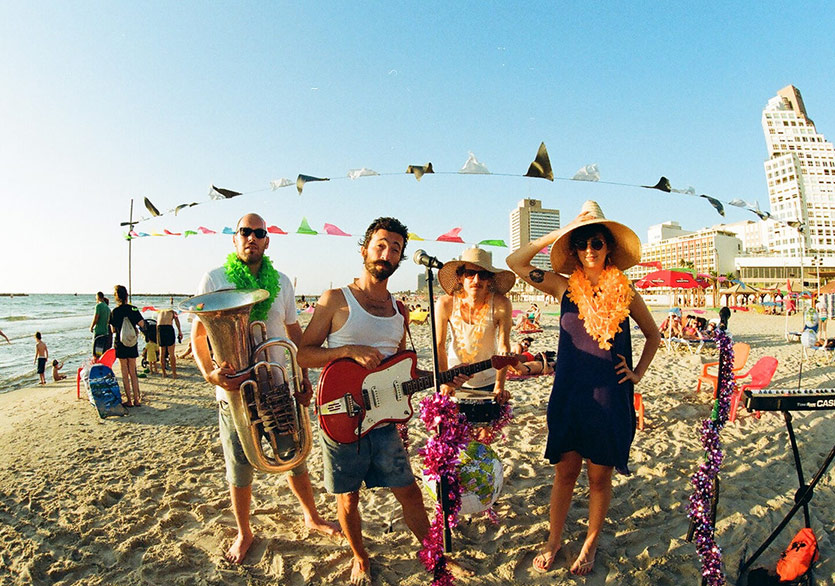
{"points": [[741, 351], [761, 374], [639, 410], [108, 358]]}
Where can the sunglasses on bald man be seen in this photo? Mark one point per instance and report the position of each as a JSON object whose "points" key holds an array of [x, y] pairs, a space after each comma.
{"points": [[245, 232]]}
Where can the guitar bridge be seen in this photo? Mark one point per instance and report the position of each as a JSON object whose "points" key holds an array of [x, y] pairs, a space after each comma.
{"points": [[352, 408]]}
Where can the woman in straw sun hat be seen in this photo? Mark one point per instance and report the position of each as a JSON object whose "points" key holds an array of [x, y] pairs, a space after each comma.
{"points": [[477, 316], [590, 412]]}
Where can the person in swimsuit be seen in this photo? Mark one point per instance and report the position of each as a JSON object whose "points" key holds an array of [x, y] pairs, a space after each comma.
{"points": [[591, 415], [166, 320], [41, 354]]}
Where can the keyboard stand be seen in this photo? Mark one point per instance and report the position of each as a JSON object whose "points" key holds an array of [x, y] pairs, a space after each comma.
{"points": [[801, 497]]}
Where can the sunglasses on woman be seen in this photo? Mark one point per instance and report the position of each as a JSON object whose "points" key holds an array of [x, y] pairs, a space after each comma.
{"points": [[259, 232], [470, 273], [596, 244]]}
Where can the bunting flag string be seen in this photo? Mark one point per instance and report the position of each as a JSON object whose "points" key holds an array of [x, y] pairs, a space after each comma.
{"points": [[540, 168], [452, 236]]}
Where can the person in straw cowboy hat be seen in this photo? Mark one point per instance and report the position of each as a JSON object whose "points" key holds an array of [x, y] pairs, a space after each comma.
{"points": [[590, 411], [477, 315]]}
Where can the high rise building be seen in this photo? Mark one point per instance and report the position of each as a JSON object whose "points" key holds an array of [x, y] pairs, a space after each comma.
{"points": [[800, 172], [528, 222]]}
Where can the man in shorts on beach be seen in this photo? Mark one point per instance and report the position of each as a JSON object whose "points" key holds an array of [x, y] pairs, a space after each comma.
{"points": [[41, 354], [362, 322], [102, 338], [249, 262], [166, 320]]}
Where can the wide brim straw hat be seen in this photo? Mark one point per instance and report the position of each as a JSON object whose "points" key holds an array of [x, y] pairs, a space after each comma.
{"points": [[475, 258], [627, 250]]}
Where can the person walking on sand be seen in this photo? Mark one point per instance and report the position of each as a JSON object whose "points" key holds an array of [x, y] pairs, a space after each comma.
{"points": [[590, 412], [247, 268], [363, 322], [123, 319], [166, 320], [102, 338], [41, 355]]}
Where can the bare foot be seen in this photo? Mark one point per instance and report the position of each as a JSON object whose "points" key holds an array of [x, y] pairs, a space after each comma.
{"points": [[324, 527], [237, 551], [542, 562], [584, 563], [361, 572]]}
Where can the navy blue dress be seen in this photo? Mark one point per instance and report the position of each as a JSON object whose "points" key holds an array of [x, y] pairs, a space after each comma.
{"points": [[589, 412]]}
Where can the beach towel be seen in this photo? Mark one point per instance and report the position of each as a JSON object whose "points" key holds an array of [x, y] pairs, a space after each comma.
{"points": [[799, 556], [103, 390]]}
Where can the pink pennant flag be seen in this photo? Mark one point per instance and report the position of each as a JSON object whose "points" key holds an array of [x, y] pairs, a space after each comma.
{"points": [[206, 230], [172, 233], [275, 230], [451, 236], [134, 234], [545, 250], [334, 231]]}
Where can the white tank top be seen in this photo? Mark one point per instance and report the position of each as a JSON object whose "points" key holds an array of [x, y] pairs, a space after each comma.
{"points": [[383, 333], [473, 342]]}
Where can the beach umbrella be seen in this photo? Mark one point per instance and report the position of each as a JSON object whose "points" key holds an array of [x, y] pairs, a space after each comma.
{"points": [[668, 278]]}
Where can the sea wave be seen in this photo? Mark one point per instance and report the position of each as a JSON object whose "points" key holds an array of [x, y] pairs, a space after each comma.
{"points": [[16, 318]]}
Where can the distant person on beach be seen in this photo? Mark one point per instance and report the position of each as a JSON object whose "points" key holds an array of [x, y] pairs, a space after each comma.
{"points": [[102, 338], [5, 336], [247, 268], [166, 320], [530, 363], [591, 415], [56, 366], [724, 316], [473, 324], [127, 351], [363, 322], [41, 354], [150, 353]]}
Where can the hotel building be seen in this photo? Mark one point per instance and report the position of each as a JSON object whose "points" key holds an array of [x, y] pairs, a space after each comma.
{"points": [[528, 222]]}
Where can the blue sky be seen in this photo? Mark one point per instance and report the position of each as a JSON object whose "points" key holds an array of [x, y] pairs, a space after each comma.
{"points": [[107, 101]]}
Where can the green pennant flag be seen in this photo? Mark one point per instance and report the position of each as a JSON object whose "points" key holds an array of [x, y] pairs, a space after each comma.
{"points": [[127, 236], [493, 243], [188, 233], [305, 228]]}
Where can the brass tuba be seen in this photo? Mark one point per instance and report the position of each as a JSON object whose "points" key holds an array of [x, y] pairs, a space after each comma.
{"points": [[273, 427]]}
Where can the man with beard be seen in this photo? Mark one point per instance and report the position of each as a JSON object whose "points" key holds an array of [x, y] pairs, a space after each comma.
{"points": [[363, 322], [247, 268]]}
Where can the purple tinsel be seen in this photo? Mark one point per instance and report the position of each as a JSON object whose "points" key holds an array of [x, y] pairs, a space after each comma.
{"points": [[700, 510]]}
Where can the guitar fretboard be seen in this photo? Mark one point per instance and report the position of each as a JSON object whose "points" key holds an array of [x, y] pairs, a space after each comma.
{"points": [[424, 382]]}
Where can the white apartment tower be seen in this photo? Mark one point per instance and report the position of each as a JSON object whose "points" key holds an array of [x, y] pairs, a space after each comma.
{"points": [[800, 172], [528, 222]]}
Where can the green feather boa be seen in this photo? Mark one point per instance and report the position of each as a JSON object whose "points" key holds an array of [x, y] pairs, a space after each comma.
{"points": [[239, 274]]}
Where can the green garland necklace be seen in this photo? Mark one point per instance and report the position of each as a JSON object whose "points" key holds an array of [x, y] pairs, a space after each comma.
{"points": [[239, 274]]}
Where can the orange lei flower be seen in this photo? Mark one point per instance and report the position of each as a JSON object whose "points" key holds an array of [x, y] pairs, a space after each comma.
{"points": [[604, 306]]}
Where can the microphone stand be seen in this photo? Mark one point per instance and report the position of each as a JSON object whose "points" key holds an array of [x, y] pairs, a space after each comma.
{"points": [[443, 487]]}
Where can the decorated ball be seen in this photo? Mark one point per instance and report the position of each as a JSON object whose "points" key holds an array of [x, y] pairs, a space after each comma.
{"points": [[481, 476]]}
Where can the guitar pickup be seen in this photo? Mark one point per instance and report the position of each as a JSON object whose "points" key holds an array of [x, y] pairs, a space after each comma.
{"points": [[366, 399]]}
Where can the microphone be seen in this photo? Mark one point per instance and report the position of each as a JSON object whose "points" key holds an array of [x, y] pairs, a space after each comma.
{"points": [[424, 259]]}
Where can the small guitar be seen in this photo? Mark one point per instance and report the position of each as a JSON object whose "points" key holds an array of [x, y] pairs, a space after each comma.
{"points": [[352, 400]]}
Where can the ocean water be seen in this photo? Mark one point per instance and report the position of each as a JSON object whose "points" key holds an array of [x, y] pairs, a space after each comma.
{"points": [[64, 323]]}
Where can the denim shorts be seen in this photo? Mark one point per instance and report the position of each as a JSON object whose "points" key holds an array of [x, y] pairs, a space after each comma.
{"points": [[239, 471], [381, 460]]}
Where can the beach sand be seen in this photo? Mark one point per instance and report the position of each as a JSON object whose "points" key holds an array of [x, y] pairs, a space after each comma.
{"points": [[143, 499]]}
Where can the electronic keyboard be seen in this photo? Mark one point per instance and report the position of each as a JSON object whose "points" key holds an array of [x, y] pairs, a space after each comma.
{"points": [[790, 399]]}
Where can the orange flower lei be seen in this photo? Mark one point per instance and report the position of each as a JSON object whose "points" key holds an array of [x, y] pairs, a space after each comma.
{"points": [[604, 306]]}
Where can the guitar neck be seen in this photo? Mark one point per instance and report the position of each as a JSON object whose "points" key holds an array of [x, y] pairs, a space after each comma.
{"points": [[424, 382]]}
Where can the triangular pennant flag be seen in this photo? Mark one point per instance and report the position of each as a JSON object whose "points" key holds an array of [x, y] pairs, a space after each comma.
{"points": [[334, 231], [419, 170], [473, 166], [228, 230], [205, 230], [356, 173], [587, 173], [143, 234], [493, 243], [541, 166], [184, 205], [134, 233], [451, 236], [413, 236], [220, 193], [127, 236], [275, 230], [662, 185], [155, 234], [756, 209], [279, 183], [169, 233], [188, 233], [151, 208], [302, 179], [715, 203], [304, 228], [738, 203], [689, 191]]}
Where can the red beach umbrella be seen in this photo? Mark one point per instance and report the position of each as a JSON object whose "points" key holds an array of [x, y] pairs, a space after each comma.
{"points": [[668, 278]]}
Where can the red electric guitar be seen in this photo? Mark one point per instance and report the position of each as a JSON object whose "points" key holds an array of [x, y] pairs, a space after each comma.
{"points": [[352, 400]]}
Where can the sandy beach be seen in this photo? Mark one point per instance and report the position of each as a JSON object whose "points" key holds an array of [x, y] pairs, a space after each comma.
{"points": [[143, 499]]}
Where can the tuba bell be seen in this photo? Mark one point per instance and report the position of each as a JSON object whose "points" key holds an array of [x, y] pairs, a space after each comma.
{"points": [[273, 427]]}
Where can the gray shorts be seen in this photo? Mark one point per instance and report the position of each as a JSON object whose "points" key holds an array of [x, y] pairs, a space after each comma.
{"points": [[382, 461], [239, 471]]}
